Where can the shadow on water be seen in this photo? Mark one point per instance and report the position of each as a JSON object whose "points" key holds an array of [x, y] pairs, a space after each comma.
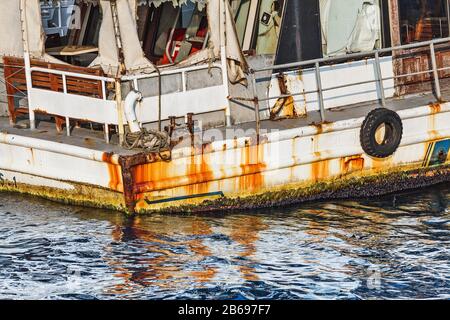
{"points": [[395, 246]]}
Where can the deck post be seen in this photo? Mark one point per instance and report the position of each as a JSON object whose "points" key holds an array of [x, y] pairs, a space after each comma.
{"points": [[256, 104], [120, 111], [27, 63], [380, 78], [320, 92], [64, 79], [107, 139], [223, 58], [29, 80], [437, 86]]}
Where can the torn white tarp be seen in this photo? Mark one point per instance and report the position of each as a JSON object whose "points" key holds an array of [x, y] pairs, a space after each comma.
{"points": [[350, 26], [134, 58], [14, 41], [222, 32]]}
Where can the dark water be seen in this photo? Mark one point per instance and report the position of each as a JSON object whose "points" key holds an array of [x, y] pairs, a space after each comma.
{"points": [[390, 247]]}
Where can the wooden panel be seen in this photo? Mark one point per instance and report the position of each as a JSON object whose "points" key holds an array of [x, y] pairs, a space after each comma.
{"points": [[418, 60], [16, 82]]}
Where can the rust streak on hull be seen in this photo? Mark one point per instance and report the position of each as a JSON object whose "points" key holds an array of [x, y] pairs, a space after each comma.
{"points": [[115, 173]]}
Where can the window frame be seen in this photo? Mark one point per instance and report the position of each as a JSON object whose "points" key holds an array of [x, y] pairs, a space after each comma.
{"points": [[386, 38], [446, 9]]}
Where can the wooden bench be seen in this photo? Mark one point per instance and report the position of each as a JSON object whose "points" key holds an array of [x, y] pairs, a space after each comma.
{"points": [[16, 85]]}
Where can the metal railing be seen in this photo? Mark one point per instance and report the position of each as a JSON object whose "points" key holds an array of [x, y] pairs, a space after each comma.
{"points": [[64, 75], [378, 75], [182, 72], [184, 85]]}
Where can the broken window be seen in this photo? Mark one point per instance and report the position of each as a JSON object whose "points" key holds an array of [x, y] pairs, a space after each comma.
{"points": [[72, 29], [171, 32], [422, 20], [350, 26]]}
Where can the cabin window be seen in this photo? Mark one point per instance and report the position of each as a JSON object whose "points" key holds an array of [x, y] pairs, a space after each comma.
{"points": [[72, 29], [423, 20], [313, 29], [169, 33], [350, 26]]}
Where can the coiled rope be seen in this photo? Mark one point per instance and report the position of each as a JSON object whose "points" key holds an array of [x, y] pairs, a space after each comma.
{"points": [[151, 141]]}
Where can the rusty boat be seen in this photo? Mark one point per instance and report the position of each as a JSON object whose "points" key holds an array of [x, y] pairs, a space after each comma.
{"points": [[193, 105]]}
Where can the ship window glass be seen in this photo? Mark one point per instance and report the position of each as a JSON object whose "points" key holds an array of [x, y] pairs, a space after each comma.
{"points": [[350, 26], [422, 20]]}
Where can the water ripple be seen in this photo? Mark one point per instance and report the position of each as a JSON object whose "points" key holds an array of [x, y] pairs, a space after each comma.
{"points": [[395, 246]]}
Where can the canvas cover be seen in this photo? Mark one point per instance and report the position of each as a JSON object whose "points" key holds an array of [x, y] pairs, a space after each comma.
{"points": [[12, 39], [221, 28], [219, 15]]}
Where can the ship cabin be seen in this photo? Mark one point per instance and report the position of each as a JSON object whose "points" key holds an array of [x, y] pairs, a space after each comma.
{"points": [[68, 66]]}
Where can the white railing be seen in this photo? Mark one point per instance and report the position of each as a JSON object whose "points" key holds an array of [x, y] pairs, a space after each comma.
{"points": [[68, 108], [38, 94], [316, 63], [185, 99]]}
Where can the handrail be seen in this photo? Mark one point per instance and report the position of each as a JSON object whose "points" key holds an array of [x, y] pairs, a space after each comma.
{"points": [[169, 72], [64, 75], [352, 55], [72, 74], [378, 75]]}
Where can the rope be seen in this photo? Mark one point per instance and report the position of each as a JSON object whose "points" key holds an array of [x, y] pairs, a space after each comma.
{"points": [[150, 141]]}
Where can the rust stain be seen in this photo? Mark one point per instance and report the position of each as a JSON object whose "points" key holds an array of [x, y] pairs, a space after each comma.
{"points": [[115, 173], [252, 166], [32, 155], [199, 175], [352, 164], [300, 75], [435, 107], [284, 108], [40, 111], [320, 170], [319, 128]]}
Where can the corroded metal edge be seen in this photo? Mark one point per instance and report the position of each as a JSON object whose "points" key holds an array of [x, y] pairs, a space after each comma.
{"points": [[381, 183], [377, 184]]}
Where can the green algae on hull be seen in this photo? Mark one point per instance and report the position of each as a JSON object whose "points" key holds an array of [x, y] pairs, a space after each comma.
{"points": [[81, 195], [395, 180]]}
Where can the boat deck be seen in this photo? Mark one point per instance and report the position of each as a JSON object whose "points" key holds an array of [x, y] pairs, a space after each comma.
{"points": [[94, 139]]}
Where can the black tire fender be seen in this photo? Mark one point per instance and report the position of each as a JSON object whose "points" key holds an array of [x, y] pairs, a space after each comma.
{"points": [[392, 135]]}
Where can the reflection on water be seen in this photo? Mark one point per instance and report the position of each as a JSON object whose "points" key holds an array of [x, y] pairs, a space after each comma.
{"points": [[396, 246]]}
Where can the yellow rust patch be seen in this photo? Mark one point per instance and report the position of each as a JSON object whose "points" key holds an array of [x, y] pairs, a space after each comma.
{"points": [[435, 107], [115, 173], [252, 166], [199, 173], [352, 164], [320, 170]]}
